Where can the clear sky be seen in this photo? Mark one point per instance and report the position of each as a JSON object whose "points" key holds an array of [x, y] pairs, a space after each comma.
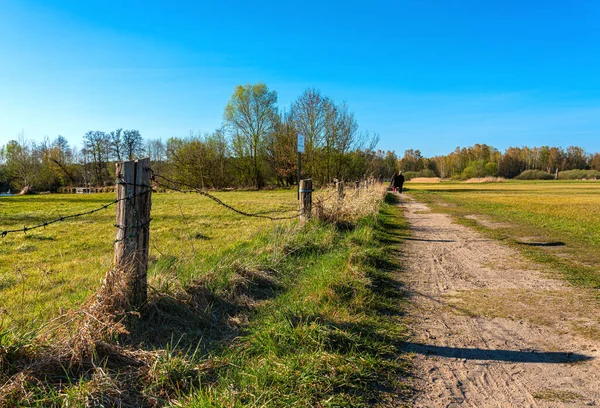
{"points": [[424, 74]]}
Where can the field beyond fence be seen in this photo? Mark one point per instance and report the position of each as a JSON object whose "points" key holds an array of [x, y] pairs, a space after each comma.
{"points": [[240, 307], [45, 271], [47, 266]]}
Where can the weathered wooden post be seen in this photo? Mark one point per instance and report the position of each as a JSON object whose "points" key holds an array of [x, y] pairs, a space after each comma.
{"points": [[133, 229], [339, 186], [305, 199]]}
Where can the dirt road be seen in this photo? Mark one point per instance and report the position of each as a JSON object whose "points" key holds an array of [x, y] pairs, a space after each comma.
{"points": [[491, 329]]}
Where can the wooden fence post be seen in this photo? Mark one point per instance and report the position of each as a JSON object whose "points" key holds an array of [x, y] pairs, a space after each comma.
{"points": [[357, 188], [133, 228], [339, 185], [305, 199]]}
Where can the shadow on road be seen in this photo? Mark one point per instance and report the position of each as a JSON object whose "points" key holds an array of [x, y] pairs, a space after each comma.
{"points": [[496, 355], [542, 244]]}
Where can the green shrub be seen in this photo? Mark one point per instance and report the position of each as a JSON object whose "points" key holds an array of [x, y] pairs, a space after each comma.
{"points": [[579, 175], [535, 175], [409, 175]]}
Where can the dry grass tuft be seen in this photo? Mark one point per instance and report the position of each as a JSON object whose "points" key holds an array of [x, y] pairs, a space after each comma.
{"points": [[79, 350], [486, 180], [355, 204], [425, 180]]}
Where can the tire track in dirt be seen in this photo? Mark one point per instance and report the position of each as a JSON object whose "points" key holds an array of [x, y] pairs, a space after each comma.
{"points": [[489, 328]]}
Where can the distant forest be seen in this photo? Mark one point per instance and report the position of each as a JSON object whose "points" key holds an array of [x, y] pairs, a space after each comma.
{"points": [[482, 160], [256, 147]]}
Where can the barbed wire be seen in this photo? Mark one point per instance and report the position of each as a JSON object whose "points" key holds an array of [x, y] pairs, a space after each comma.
{"points": [[61, 218], [198, 190], [280, 211], [139, 225]]}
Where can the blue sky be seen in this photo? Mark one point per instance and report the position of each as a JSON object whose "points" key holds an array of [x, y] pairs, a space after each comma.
{"points": [[429, 75]]}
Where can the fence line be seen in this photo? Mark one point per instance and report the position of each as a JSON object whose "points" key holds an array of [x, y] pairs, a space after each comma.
{"points": [[193, 189], [67, 217], [198, 190]]}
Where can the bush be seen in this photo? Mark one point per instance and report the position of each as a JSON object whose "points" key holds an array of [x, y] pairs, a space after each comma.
{"points": [[579, 175], [535, 175], [409, 175]]}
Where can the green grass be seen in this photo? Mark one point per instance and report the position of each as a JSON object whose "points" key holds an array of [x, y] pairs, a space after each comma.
{"points": [[333, 337], [530, 213], [48, 271], [289, 316]]}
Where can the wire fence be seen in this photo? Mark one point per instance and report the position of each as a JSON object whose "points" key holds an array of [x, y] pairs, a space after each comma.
{"points": [[167, 184], [174, 185], [62, 218], [170, 185]]}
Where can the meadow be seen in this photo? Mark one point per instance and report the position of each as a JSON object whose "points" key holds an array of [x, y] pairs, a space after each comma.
{"points": [[554, 222], [45, 271], [241, 311]]}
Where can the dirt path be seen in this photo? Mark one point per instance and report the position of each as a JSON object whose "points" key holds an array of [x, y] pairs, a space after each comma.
{"points": [[490, 329]]}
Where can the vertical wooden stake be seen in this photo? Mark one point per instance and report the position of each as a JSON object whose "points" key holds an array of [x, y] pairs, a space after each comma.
{"points": [[340, 189], [357, 187], [133, 228], [305, 199]]}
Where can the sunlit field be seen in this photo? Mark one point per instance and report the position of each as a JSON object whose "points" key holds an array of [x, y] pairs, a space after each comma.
{"points": [[49, 269], [240, 310], [555, 221]]}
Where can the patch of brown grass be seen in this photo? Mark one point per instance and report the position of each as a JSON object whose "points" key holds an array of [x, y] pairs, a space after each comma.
{"points": [[354, 205], [486, 180], [425, 180], [557, 395]]}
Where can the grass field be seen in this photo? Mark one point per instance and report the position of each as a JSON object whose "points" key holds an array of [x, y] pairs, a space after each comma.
{"points": [[554, 222], [243, 311], [48, 270]]}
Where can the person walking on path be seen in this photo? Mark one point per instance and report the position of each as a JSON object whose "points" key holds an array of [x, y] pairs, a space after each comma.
{"points": [[400, 181], [397, 181]]}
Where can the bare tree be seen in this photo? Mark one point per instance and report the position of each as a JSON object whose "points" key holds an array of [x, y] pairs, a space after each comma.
{"points": [[116, 141], [309, 114], [97, 144], [133, 144]]}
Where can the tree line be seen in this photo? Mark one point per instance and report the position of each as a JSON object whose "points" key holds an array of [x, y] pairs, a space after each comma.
{"points": [[254, 147], [481, 160]]}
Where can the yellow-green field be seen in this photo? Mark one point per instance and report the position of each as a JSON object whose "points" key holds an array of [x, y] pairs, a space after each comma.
{"points": [[552, 221], [243, 312], [50, 269]]}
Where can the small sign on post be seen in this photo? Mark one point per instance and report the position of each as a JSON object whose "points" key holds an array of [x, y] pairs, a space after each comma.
{"points": [[300, 143]]}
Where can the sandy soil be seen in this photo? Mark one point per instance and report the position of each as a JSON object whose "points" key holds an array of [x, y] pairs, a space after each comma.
{"points": [[491, 329]]}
